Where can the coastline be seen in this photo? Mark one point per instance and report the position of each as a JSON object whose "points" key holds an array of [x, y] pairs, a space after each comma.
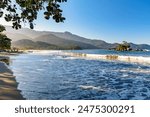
{"points": [[109, 57], [131, 59], [8, 84], [60, 73]]}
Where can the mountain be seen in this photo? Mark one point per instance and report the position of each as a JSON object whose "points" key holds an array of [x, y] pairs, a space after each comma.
{"points": [[17, 36], [61, 40], [140, 46], [52, 39], [39, 45], [57, 38], [46, 37], [28, 44], [97, 43]]}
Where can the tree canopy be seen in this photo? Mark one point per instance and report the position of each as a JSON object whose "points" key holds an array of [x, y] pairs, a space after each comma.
{"points": [[26, 11], [125, 46], [5, 43], [2, 28]]}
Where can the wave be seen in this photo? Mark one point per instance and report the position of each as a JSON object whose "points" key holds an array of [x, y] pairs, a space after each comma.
{"points": [[145, 71], [146, 50], [44, 52], [90, 87], [132, 59], [112, 57]]}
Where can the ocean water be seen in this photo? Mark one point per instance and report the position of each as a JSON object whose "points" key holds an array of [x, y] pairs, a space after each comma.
{"points": [[47, 75], [113, 52]]}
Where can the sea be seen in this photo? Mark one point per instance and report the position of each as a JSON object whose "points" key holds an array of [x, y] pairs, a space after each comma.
{"points": [[48, 75]]}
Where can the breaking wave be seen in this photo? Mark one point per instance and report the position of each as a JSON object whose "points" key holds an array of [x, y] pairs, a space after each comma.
{"points": [[134, 59]]}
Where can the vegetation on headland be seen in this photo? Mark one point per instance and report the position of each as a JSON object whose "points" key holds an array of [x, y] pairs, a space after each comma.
{"points": [[125, 46]]}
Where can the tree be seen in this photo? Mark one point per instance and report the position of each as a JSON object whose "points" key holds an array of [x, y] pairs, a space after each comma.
{"points": [[5, 43], [2, 28], [125, 46], [26, 11]]}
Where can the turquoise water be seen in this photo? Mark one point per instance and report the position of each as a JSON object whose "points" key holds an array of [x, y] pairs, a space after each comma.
{"points": [[53, 77]]}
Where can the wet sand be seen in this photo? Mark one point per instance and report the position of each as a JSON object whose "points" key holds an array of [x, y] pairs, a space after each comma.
{"points": [[8, 84]]}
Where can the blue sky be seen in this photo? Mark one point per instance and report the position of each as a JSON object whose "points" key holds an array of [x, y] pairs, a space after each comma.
{"points": [[109, 20]]}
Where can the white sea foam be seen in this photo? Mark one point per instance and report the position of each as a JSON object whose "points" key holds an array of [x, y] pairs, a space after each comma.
{"points": [[90, 87], [40, 69], [45, 60], [44, 52], [70, 58], [125, 75], [146, 50], [133, 59], [136, 70]]}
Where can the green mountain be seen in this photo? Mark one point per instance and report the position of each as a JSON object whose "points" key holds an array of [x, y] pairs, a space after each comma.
{"points": [[28, 44], [39, 45], [27, 38]]}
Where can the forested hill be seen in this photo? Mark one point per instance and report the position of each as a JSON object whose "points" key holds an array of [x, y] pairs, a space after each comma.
{"points": [[27, 38]]}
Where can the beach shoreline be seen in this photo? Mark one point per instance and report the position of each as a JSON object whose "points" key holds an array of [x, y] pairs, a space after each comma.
{"points": [[130, 59], [8, 83], [109, 57]]}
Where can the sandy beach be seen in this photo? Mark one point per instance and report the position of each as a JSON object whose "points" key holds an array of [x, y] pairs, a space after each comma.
{"points": [[8, 84]]}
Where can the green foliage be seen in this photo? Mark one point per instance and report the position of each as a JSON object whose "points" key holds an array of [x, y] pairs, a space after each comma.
{"points": [[2, 28], [123, 47], [26, 11], [5, 43]]}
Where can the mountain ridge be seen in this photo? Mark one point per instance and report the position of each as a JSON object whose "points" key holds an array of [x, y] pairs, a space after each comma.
{"points": [[61, 40]]}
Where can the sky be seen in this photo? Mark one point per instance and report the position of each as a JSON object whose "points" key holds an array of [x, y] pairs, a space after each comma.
{"points": [[108, 20]]}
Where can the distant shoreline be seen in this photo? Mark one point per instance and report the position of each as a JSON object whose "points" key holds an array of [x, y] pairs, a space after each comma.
{"points": [[8, 84], [131, 59], [113, 57]]}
